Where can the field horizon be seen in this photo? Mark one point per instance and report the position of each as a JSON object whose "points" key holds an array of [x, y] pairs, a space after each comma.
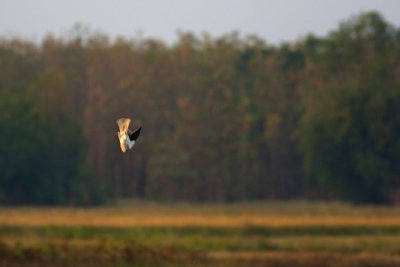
{"points": [[294, 233]]}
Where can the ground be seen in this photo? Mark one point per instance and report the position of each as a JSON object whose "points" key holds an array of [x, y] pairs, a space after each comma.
{"points": [[242, 234]]}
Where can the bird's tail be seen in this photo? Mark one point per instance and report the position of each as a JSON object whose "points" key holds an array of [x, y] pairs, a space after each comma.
{"points": [[123, 124]]}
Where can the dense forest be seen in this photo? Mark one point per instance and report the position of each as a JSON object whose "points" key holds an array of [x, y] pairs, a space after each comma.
{"points": [[224, 119]]}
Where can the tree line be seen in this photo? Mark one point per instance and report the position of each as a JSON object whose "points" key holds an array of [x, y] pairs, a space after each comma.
{"points": [[224, 119]]}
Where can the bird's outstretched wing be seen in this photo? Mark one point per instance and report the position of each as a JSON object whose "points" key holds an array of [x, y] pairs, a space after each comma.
{"points": [[123, 124], [133, 135]]}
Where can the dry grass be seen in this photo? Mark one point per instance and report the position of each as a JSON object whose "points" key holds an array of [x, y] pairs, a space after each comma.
{"points": [[244, 234], [306, 259], [237, 215], [88, 218]]}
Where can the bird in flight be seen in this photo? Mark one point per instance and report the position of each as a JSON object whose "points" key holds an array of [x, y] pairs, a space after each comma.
{"points": [[127, 137]]}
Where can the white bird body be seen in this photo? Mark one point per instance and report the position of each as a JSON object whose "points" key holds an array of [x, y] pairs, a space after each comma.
{"points": [[127, 138]]}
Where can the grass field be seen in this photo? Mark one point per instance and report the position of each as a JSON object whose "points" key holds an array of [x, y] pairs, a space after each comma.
{"points": [[244, 234]]}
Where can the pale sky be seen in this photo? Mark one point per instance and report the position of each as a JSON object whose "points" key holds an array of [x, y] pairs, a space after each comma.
{"points": [[272, 20]]}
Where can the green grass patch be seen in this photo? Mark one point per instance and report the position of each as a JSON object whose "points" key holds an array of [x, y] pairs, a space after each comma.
{"points": [[204, 239], [86, 232]]}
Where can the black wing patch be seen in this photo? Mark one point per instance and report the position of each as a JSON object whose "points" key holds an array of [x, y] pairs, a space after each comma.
{"points": [[135, 134]]}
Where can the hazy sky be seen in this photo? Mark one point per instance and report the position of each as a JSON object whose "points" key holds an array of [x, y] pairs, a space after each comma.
{"points": [[272, 20]]}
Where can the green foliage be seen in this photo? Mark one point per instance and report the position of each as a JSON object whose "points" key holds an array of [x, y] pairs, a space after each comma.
{"points": [[171, 178], [43, 161], [352, 119], [224, 119]]}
